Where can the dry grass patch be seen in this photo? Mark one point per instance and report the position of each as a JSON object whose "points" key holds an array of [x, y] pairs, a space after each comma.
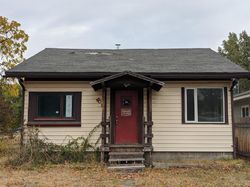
{"points": [[212, 173], [205, 173], [209, 173]]}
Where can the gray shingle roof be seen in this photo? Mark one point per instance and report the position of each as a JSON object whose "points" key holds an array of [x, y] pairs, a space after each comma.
{"points": [[200, 60]]}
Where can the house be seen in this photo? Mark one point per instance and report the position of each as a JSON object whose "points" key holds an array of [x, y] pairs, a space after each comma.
{"points": [[152, 104], [241, 103]]}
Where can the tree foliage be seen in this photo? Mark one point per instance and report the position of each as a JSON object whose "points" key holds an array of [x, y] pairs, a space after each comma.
{"points": [[10, 108], [12, 47], [12, 43], [237, 49]]}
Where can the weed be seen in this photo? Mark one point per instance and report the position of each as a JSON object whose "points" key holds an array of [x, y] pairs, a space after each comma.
{"points": [[37, 151]]}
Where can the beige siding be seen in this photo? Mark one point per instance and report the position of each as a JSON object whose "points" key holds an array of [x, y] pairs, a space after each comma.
{"points": [[90, 110], [169, 132], [171, 135]]}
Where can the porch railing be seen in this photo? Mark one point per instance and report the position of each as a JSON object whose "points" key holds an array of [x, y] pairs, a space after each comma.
{"points": [[105, 135], [148, 136]]}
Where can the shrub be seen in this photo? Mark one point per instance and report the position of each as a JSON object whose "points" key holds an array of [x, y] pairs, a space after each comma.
{"points": [[37, 151]]}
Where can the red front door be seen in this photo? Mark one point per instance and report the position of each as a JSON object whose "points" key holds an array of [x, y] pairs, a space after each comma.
{"points": [[126, 117]]}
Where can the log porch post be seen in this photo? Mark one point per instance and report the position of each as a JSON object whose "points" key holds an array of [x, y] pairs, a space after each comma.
{"points": [[149, 123], [103, 123]]}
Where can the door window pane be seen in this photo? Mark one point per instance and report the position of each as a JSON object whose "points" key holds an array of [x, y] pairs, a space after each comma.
{"points": [[49, 105], [210, 105], [190, 105]]}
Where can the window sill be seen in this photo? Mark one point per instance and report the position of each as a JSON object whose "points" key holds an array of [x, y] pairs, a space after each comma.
{"points": [[54, 124], [211, 123], [54, 119]]}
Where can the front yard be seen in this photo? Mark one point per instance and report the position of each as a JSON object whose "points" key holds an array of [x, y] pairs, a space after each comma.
{"points": [[199, 173], [217, 173]]}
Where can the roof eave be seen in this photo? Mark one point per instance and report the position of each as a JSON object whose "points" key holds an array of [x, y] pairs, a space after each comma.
{"points": [[161, 76]]}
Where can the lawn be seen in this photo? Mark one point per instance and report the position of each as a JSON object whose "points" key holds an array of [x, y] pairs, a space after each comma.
{"points": [[199, 173]]}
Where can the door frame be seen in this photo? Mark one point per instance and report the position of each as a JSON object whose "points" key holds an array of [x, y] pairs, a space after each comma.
{"points": [[140, 120]]}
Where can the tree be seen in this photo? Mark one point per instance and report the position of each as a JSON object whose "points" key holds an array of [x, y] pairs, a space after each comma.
{"points": [[237, 49], [12, 47], [9, 113], [12, 43]]}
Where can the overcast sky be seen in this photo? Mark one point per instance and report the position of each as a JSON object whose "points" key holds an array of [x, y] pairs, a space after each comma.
{"points": [[133, 23]]}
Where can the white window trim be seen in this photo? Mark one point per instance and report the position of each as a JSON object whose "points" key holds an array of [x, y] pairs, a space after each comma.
{"points": [[244, 106], [196, 106]]}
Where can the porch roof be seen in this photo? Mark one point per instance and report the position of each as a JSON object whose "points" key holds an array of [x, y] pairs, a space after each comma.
{"points": [[107, 81]]}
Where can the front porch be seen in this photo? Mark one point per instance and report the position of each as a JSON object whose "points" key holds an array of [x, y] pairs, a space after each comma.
{"points": [[117, 148]]}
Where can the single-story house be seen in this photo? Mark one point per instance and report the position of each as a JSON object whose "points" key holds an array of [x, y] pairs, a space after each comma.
{"points": [[152, 104], [241, 103]]}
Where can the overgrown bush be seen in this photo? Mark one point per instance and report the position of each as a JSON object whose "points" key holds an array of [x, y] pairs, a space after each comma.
{"points": [[37, 151]]}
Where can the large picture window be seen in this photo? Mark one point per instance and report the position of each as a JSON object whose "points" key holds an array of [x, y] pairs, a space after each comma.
{"points": [[54, 106], [204, 105]]}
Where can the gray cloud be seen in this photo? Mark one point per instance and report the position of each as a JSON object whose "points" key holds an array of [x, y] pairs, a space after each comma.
{"points": [[133, 23]]}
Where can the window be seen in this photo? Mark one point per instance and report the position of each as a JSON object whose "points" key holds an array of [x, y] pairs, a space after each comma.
{"points": [[245, 111], [49, 105], [204, 105], [54, 106], [190, 105]]}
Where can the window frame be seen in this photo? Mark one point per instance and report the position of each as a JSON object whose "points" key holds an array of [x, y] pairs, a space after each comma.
{"points": [[241, 113], [196, 106], [35, 120]]}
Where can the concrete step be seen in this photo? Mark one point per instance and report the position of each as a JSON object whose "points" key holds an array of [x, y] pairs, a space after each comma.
{"points": [[126, 159], [127, 153], [126, 146], [127, 167], [126, 149]]}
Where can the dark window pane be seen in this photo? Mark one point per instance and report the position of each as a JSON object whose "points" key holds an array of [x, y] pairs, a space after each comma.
{"points": [[210, 105], [190, 105], [126, 101], [243, 112], [49, 105]]}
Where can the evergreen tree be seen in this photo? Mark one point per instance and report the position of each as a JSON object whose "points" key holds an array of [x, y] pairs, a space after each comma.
{"points": [[237, 49]]}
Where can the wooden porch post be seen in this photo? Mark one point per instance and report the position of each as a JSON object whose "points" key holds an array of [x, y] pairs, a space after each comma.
{"points": [[149, 123], [149, 114], [103, 123]]}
